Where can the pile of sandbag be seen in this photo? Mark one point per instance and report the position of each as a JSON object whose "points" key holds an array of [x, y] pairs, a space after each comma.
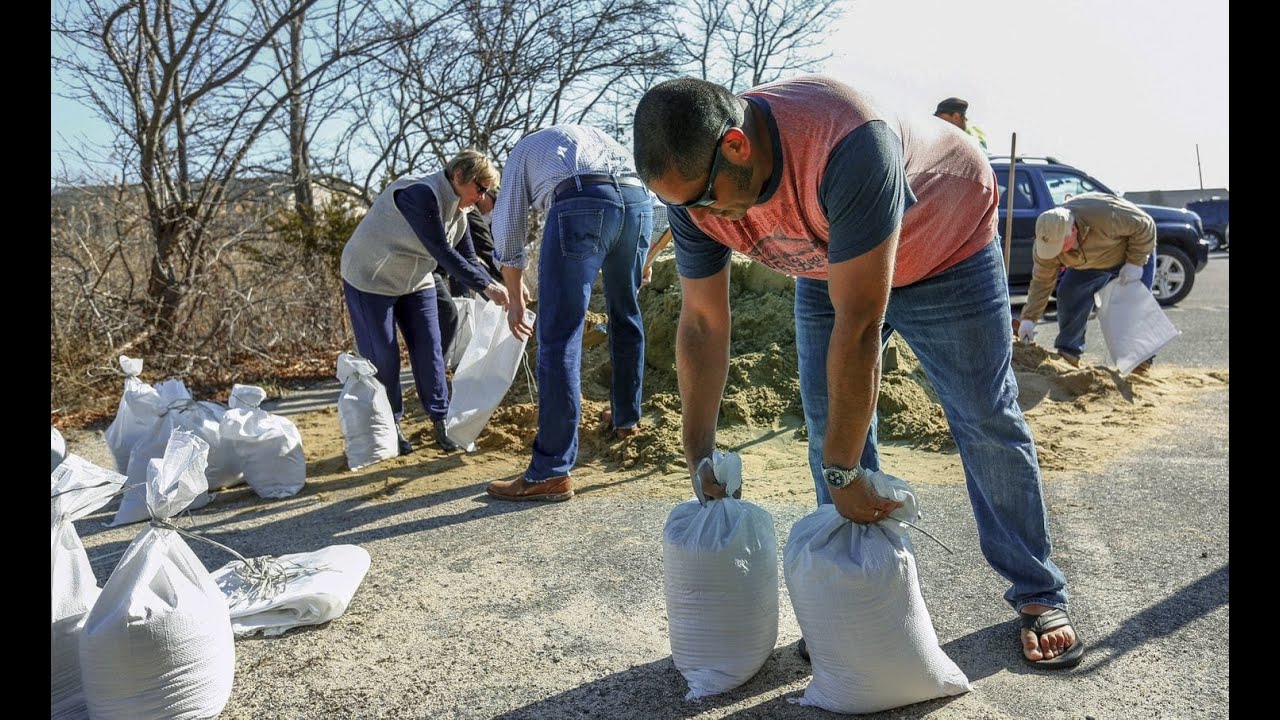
{"points": [[140, 433], [720, 577]]}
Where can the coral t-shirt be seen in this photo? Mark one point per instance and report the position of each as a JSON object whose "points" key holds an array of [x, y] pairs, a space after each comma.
{"points": [[844, 177]]}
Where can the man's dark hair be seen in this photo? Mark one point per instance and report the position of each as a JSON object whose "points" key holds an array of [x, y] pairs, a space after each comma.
{"points": [[677, 124]]}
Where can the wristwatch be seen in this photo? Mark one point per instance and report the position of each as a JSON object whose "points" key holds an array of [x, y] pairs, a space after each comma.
{"points": [[838, 477]]}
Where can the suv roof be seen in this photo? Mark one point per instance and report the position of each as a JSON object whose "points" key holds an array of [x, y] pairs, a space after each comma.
{"points": [[1045, 159]]}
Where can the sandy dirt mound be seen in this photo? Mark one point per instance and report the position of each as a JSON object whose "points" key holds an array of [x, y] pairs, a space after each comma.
{"points": [[1081, 417]]}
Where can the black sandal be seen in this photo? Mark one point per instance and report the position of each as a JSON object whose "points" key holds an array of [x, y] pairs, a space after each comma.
{"points": [[1041, 624]]}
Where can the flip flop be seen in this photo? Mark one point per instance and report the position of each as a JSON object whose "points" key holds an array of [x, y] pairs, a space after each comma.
{"points": [[1052, 620]]}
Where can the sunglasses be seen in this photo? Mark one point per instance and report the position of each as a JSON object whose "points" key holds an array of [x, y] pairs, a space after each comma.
{"points": [[707, 198], [483, 190]]}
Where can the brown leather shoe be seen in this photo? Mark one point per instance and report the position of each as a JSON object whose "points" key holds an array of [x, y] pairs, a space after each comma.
{"points": [[606, 417], [1072, 360], [1143, 368], [516, 488]]}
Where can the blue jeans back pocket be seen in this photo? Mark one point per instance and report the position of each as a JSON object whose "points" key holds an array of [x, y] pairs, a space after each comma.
{"points": [[580, 233]]}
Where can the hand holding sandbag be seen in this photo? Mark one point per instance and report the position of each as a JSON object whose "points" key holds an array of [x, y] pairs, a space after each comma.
{"points": [[709, 487], [1130, 273]]}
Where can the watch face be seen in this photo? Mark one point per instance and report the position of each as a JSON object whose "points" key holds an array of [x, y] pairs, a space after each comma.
{"points": [[836, 477]]}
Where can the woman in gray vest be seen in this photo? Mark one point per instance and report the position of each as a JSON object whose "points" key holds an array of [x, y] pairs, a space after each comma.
{"points": [[416, 224]]}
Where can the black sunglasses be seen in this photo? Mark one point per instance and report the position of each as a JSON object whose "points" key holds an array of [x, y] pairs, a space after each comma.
{"points": [[483, 190], [706, 198]]}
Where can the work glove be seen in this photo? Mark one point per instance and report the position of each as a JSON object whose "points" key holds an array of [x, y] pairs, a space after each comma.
{"points": [[1027, 331], [1129, 273]]}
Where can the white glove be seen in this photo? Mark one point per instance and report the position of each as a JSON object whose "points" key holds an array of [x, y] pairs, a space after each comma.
{"points": [[1027, 331], [1129, 273]]}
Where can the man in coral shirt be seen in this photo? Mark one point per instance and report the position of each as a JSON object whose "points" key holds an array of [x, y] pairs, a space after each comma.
{"points": [[887, 225]]}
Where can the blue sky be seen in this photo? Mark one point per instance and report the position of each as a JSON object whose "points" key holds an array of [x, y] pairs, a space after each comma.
{"points": [[1123, 89]]}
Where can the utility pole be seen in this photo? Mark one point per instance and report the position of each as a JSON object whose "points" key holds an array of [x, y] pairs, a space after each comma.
{"points": [[1198, 170]]}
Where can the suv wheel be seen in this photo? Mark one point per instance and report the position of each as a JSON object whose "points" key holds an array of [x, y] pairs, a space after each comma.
{"points": [[1174, 275], [1215, 240]]}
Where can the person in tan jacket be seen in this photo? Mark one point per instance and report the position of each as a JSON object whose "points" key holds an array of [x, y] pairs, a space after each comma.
{"points": [[1098, 238]]}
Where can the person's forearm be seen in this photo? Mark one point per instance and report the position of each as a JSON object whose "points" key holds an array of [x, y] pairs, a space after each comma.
{"points": [[702, 365], [853, 385], [1044, 279], [513, 278]]}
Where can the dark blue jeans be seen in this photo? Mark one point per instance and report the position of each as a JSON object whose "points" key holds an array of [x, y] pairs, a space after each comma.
{"points": [[596, 228], [374, 319], [1075, 302], [957, 323]]}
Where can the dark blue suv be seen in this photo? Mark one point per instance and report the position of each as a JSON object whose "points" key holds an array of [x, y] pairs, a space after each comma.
{"points": [[1044, 183], [1215, 213]]}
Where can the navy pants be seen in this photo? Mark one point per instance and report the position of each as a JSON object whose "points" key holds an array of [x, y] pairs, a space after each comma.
{"points": [[374, 319]]}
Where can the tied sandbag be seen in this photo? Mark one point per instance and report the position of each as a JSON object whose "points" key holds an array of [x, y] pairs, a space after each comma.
{"points": [[857, 598], [272, 595], [268, 448], [158, 643], [466, 308], [1134, 326], [364, 413], [130, 425], [57, 448], [484, 375], [720, 575], [173, 410], [171, 407], [77, 488]]}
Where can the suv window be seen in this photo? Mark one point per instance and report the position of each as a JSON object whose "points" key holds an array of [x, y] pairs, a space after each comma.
{"points": [[1024, 196], [1064, 185], [1213, 212]]}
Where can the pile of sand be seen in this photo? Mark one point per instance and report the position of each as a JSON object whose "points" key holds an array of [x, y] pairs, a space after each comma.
{"points": [[1081, 417]]}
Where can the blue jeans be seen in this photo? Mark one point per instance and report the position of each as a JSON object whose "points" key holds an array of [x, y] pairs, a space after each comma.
{"points": [[597, 227], [374, 319], [1075, 302], [957, 323]]}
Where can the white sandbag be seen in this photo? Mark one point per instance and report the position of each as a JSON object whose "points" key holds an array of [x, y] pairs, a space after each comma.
{"points": [[77, 488], [857, 598], [267, 448], [720, 576], [364, 413], [158, 643], [171, 407], [174, 411], [484, 375], [129, 427], [1133, 324], [317, 588], [57, 448], [466, 307]]}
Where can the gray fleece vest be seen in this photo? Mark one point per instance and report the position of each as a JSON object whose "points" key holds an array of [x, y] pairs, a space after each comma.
{"points": [[384, 255]]}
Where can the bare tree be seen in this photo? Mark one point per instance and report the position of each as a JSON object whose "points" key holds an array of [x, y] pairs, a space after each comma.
{"points": [[343, 36], [186, 86], [494, 70], [744, 43]]}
